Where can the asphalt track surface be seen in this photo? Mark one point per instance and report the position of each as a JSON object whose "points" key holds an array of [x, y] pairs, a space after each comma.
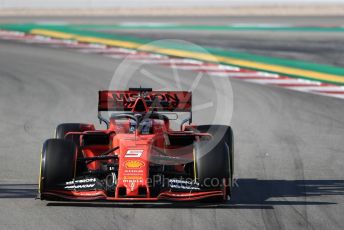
{"points": [[288, 150]]}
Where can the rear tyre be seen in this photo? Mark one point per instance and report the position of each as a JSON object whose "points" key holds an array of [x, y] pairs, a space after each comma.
{"points": [[214, 159], [58, 161]]}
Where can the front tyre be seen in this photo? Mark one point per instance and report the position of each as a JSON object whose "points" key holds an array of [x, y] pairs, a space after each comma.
{"points": [[58, 161], [214, 159]]}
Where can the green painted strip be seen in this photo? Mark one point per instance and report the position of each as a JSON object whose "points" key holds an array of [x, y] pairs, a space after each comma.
{"points": [[70, 29]]}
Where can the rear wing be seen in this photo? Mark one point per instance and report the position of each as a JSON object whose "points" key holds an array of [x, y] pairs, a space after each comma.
{"points": [[164, 101]]}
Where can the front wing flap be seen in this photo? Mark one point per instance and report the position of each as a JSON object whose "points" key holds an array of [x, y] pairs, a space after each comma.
{"points": [[89, 189]]}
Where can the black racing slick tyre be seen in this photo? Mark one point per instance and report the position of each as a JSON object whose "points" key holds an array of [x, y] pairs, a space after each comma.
{"points": [[63, 129], [214, 159], [58, 162]]}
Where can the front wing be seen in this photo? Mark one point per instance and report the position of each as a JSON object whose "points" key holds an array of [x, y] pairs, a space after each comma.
{"points": [[95, 191]]}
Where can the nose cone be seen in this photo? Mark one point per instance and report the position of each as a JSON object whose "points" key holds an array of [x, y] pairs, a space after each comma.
{"points": [[133, 168]]}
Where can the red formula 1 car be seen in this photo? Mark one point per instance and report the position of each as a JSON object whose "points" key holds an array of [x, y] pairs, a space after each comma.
{"points": [[139, 156]]}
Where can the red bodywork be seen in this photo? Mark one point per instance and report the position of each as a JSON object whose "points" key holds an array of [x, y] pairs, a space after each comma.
{"points": [[136, 149]]}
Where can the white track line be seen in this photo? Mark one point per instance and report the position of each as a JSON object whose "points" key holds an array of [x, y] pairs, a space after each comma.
{"points": [[279, 81], [10, 34], [108, 51], [138, 56], [319, 88], [205, 68], [243, 74]]}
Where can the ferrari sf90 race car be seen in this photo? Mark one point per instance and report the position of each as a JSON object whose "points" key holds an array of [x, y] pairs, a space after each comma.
{"points": [[139, 156]]}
